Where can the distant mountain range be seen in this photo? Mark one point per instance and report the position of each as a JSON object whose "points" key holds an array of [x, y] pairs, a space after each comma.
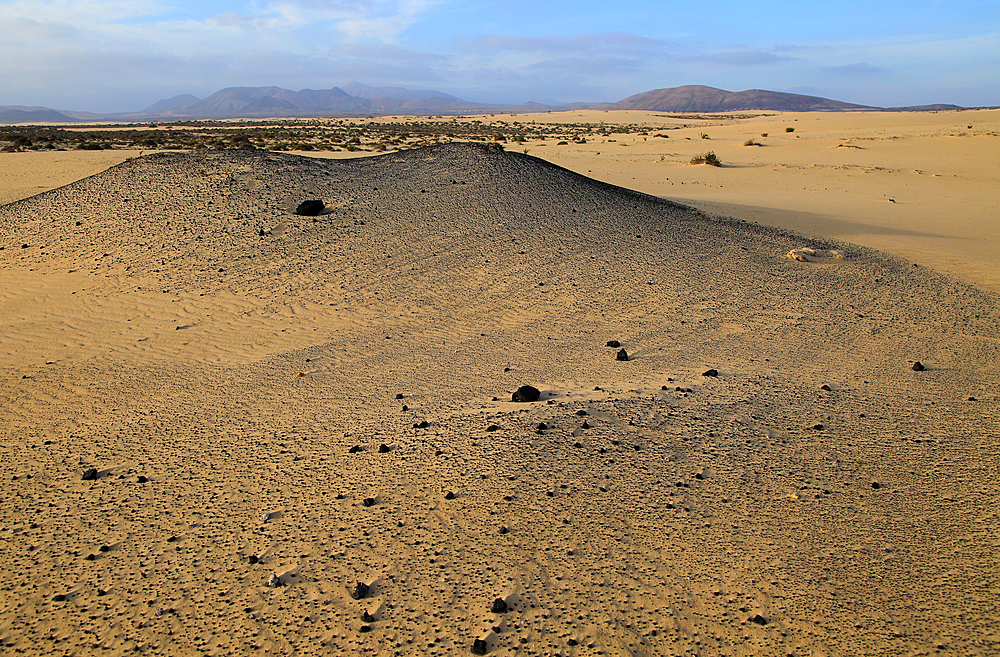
{"points": [[356, 99]]}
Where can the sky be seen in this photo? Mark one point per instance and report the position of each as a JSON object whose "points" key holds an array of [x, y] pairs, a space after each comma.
{"points": [[124, 55]]}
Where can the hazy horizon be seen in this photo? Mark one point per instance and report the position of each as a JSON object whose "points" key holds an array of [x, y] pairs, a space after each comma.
{"points": [[111, 56]]}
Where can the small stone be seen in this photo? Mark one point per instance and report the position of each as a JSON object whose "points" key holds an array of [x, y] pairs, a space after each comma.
{"points": [[355, 449], [526, 394], [365, 628], [711, 372], [918, 367], [141, 479], [972, 399], [876, 485], [405, 408], [275, 581], [663, 387], [493, 427], [368, 501], [581, 413], [366, 617], [541, 426], [759, 620], [504, 530], [499, 606], [622, 355], [817, 427], [423, 424], [310, 208], [90, 475], [104, 548], [399, 395], [479, 647], [61, 597], [361, 591], [384, 449], [825, 387], [253, 559], [572, 642], [585, 425], [613, 343], [449, 495]]}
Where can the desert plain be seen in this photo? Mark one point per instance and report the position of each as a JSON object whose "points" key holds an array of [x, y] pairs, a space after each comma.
{"points": [[299, 435]]}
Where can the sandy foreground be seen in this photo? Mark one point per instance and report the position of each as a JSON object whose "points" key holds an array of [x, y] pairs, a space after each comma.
{"points": [[277, 408]]}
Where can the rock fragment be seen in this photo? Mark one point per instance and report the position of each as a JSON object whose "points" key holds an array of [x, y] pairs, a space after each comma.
{"points": [[918, 367], [90, 475], [622, 355], [526, 394], [499, 606], [614, 344], [310, 208], [710, 373], [361, 591]]}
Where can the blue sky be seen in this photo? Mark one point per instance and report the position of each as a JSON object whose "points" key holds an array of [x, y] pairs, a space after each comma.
{"points": [[122, 55]]}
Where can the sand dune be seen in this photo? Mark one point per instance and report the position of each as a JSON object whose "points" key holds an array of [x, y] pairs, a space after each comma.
{"points": [[817, 496]]}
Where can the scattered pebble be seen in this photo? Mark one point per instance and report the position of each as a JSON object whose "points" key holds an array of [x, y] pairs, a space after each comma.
{"points": [[711, 372], [90, 475], [622, 355], [499, 606], [384, 449], [918, 367], [361, 591], [614, 343], [449, 495], [355, 449], [274, 581], [368, 501]]}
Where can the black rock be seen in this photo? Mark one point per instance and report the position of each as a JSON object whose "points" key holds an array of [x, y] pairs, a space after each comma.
{"points": [[614, 343], [90, 475], [368, 501], [712, 372], [817, 427], [423, 424], [526, 394], [384, 449], [504, 530], [918, 366], [581, 412], [825, 387], [361, 591], [479, 647], [622, 355], [759, 620], [399, 395], [253, 559], [310, 208], [585, 425], [663, 387], [141, 479], [368, 618], [499, 606], [405, 408], [449, 495], [354, 450], [365, 628], [62, 598], [876, 485], [493, 427], [541, 426]]}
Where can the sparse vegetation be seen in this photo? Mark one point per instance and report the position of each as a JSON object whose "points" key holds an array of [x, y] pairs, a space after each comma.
{"points": [[703, 135], [751, 142], [763, 134], [789, 129], [709, 158]]}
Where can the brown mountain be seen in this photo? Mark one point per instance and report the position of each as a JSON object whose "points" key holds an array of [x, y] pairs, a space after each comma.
{"points": [[697, 98]]}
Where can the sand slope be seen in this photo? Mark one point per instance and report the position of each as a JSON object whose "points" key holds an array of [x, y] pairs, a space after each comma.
{"points": [[164, 337]]}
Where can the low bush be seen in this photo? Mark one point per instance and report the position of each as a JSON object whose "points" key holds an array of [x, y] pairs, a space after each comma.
{"points": [[709, 158]]}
